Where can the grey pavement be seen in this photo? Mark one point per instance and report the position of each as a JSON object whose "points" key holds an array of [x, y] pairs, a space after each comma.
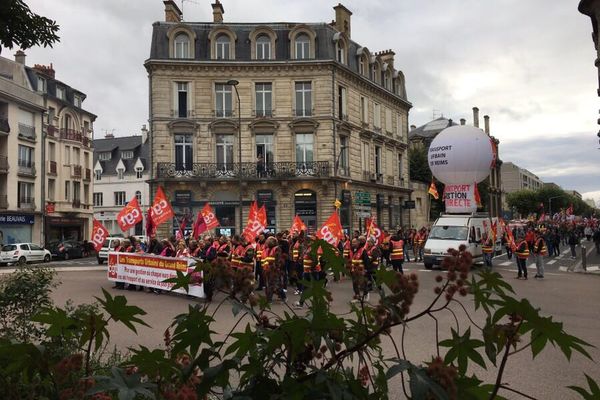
{"points": [[569, 297]]}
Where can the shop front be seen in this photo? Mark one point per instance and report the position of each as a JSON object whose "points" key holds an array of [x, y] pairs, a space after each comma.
{"points": [[266, 198], [16, 228], [64, 228], [305, 206], [186, 209]]}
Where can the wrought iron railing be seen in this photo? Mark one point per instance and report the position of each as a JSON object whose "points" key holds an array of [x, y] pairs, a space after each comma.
{"points": [[76, 203], [27, 131], [248, 170], [27, 203], [3, 201], [52, 167], [26, 168], [3, 164], [52, 131], [4, 125], [76, 172]]}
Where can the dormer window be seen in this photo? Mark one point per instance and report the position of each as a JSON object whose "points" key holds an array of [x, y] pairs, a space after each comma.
{"points": [[182, 46], [41, 85], [77, 101], [120, 173], [302, 46], [341, 57], [126, 155], [98, 174], [263, 47], [106, 156], [222, 47], [60, 93], [139, 174]]}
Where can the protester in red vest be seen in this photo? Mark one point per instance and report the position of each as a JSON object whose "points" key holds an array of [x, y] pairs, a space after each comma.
{"points": [[397, 252]]}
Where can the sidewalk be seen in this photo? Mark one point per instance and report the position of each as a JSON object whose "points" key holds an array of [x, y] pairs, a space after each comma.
{"points": [[592, 259]]}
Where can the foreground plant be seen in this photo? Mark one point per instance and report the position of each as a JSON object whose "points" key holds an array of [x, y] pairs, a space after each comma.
{"points": [[287, 355]]}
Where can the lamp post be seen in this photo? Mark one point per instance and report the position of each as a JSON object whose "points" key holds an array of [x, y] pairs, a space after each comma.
{"points": [[550, 204], [234, 83]]}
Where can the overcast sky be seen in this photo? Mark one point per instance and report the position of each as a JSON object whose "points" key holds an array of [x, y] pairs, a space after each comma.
{"points": [[526, 64]]}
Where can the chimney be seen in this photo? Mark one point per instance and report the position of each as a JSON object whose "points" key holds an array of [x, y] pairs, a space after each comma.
{"points": [[172, 12], [109, 135], [44, 69], [486, 123], [20, 57], [413, 127], [342, 19], [463, 121], [144, 134], [218, 11], [476, 117]]}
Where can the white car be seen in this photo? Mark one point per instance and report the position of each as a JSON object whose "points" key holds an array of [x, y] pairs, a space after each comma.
{"points": [[22, 253]]}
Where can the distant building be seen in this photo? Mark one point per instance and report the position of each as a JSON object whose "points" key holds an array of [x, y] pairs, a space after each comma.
{"points": [[121, 171], [515, 178], [590, 202], [575, 193], [551, 185]]}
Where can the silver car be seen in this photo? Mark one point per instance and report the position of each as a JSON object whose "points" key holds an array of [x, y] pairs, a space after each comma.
{"points": [[23, 253]]}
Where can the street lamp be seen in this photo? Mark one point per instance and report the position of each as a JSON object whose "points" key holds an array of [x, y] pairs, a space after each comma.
{"points": [[550, 203], [234, 83]]}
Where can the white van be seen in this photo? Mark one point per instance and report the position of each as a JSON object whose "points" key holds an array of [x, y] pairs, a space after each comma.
{"points": [[451, 231], [109, 243]]}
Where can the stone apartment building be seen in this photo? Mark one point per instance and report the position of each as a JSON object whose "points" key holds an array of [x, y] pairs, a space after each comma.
{"points": [[293, 115], [21, 116], [121, 171]]}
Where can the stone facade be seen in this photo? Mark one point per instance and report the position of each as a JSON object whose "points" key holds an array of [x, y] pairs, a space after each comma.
{"points": [[349, 137]]}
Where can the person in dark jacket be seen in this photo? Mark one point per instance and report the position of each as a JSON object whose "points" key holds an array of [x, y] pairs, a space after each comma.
{"points": [[573, 241]]}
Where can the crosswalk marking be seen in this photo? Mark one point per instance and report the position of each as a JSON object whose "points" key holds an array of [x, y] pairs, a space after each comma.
{"points": [[551, 262], [563, 269], [566, 251], [506, 263], [593, 268]]}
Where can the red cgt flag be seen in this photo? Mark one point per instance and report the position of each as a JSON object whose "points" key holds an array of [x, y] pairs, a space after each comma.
{"points": [[331, 231], [150, 225], [261, 215], [298, 225], [130, 215], [210, 219], [374, 231], [161, 209], [199, 226], [99, 235]]}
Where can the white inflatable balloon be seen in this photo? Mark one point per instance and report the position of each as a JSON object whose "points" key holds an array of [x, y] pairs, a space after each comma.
{"points": [[461, 155]]}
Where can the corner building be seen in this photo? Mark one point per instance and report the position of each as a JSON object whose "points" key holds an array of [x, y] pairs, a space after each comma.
{"points": [[318, 117]]}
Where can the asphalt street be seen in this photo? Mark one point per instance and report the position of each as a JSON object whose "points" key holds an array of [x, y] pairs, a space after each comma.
{"points": [[570, 297]]}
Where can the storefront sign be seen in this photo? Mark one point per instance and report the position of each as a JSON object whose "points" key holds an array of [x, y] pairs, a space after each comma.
{"points": [[460, 198], [224, 203], [264, 196], [409, 204], [50, 208], [183, 197], [64, 221], [150, 271], [17, 219]]}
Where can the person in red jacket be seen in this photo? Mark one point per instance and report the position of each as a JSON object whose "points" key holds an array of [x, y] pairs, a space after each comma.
{"points": [[397, 252], [540, 251], [522, 254]]}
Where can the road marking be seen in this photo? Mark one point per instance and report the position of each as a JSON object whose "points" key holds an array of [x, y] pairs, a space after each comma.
{"points": [[532, 266], [425, 270], [551, 262], [593, 268], [506, 263], [563, 269], [500, 255], [566, 251], [514, 270]]}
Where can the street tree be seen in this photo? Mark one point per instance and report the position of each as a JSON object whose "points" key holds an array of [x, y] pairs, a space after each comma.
{"points": [[21, 27]]}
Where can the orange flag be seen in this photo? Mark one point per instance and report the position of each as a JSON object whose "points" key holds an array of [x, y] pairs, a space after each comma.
{"points": [[99, 234], [331, 231], [477, 196], [210, 219], [261, 215], [298, 225], [161, 210], [130, 215], [433, 191]]}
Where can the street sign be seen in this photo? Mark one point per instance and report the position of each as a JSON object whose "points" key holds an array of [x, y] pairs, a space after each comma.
{"points": [[362, 198], [408, 204], [362, 214]]}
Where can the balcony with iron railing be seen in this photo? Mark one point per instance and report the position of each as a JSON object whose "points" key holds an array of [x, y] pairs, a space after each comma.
{"points": [[26, 168], [259, 113], [3, 201], [372, 177], [27, 132], [88, 175], [223, 113], [76, 171], [75, 136], [52, 167], [4, 164], [245, 171], [76, 203], [26, 203], [52, 131], [4, 125]]}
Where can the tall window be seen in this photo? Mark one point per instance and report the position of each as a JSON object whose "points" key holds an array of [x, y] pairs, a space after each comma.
{"points": [[86, 194], [362, 66], [120, 172], [303, 99], [98, 174], [342, 103], [263, 47], [77, 101], [225, 152], [183, 152], [386, 80], [388, 120], [340, 50], [76, 155], [120, 198], [98, 199], [67, 190], [26, 158], [182, 46], [76, 191], [224, 98], [302, 46], [304, 147], [41, 84], [68, 155], [139, 174], [264, 99], [400, 167], [264, 149], [377, 115], [25, 193], [138, 196], [51, 189], [343, 162], [366, 157], [399, 123], [377, 160], [60, 93], [364, 111], [222, 47], [182, 99], [51, 151]]}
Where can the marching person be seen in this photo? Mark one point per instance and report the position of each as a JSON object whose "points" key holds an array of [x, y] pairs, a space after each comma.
{"points": [[539, 250], [487, 248], [573, 241], [374, 255], [272, 265], [360, 259], [260, 246], [309, 261], [397, 252], [522, 253], [118, 248]]}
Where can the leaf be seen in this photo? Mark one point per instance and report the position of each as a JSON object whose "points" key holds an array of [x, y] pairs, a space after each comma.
{"points": [[400, 366], [462, 349], [594, 393], [192, 330], [128, 387], [60, 324], [153, 363], [421, 385], [181, 281], [118, 310]]}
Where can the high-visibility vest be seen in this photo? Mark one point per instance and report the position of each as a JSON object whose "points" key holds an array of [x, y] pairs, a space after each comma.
{"points": [[357, 262], [540, 246], [268, 258], [487, 246], [397, 250], [296, 251], [247, 264], [236, 256], [374, 261], [222, 251], [347, 253], [259, 251], [307, 262], [522, 250], [420, 239]]}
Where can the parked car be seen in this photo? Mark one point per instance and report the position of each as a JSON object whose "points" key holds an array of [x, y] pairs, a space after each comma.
{"points": [[22, 253], [106, 247], [66, 249]]}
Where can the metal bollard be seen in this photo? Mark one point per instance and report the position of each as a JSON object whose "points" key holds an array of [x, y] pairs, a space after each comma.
{"points": [[584, 258]]}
